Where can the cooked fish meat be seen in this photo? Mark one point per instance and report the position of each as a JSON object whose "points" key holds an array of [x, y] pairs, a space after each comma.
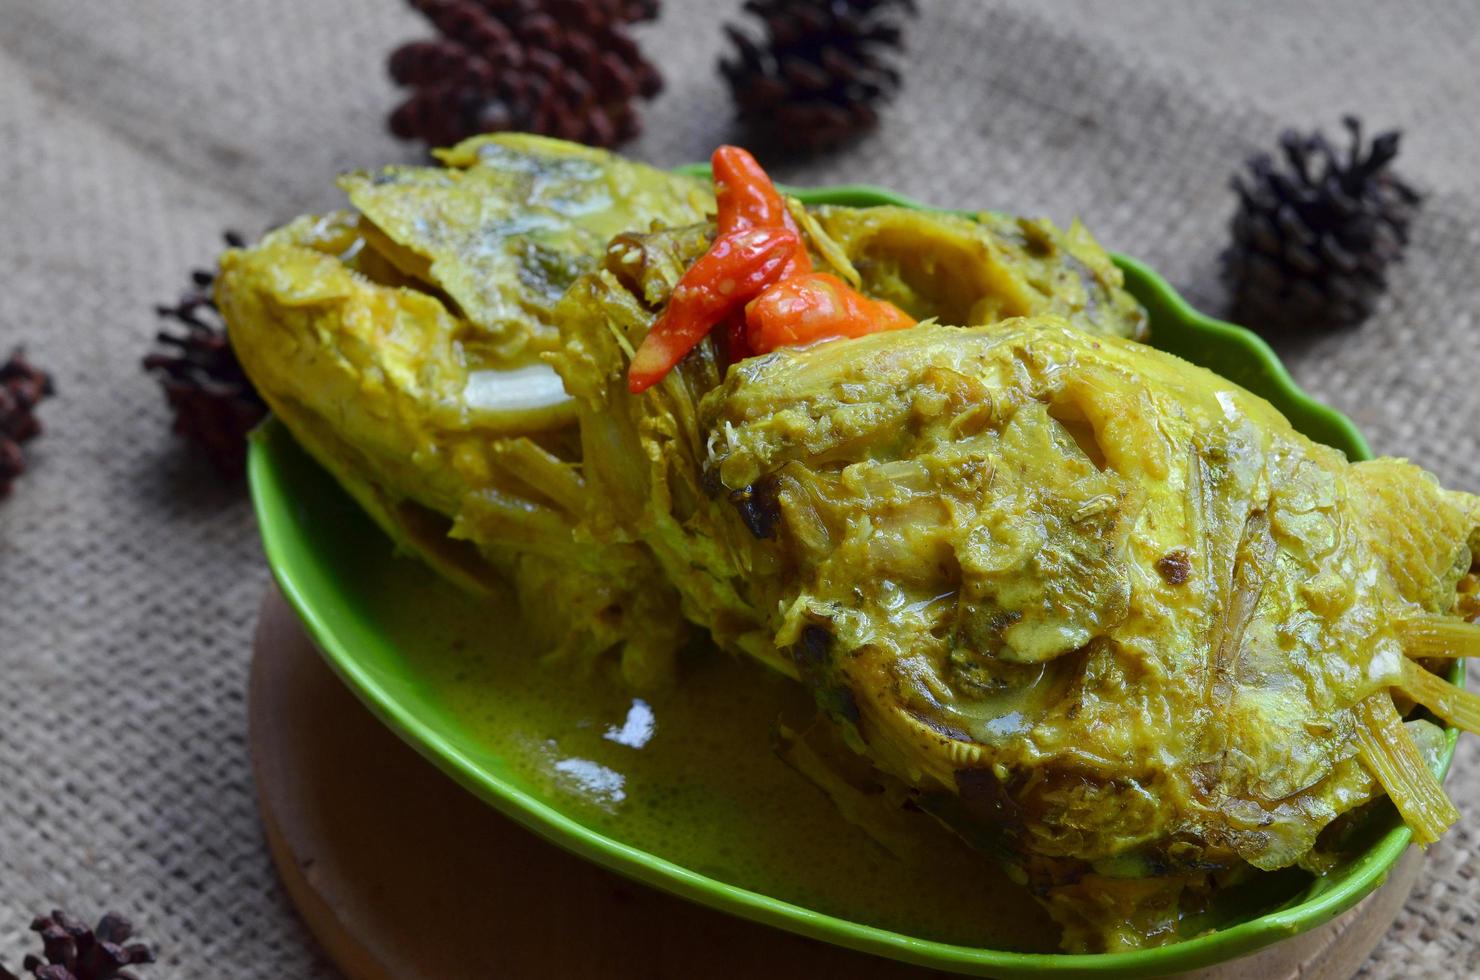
{"points": [[400, 343], [404, 342], [1103, 613], [1111, 604]]}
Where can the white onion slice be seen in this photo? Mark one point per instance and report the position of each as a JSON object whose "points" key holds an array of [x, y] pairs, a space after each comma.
{"points": [[530, 395]]}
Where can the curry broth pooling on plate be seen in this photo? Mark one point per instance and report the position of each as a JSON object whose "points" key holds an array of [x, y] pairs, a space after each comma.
{"points": [[690, 775]]}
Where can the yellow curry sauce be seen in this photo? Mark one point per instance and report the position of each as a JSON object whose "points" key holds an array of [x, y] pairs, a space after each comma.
{"points": [[690, 777]]}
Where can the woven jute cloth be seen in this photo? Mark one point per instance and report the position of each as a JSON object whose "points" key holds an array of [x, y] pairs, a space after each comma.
{"points": [[132, 133]]}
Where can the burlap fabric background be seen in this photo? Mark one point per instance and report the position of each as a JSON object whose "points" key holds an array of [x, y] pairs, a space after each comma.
{"points": [[132, 133]]}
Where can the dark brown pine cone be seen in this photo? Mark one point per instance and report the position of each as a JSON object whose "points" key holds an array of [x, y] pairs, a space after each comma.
{"points": [[564, 68], [214, 403], [820, 71], [74, 952], [1314, 234], [22, 386]]}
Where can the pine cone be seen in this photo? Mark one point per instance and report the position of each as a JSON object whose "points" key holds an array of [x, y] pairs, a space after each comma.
{"points": [[22, 386], [75, 952], [214, 402], [564, 68], [1312, 241], [819, 73]]}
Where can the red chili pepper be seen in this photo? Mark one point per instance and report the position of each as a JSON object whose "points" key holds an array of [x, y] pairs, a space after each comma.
{"points": [[816, 306], [758, 259], [735, 269], [746, 198], [731, 336]]}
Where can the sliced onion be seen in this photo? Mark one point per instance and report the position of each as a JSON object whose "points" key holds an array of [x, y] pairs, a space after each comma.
{"points": [[531, 396]]}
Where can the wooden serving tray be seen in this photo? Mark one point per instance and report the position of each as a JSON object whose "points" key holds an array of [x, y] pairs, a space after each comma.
{"points": [[402, 874]]}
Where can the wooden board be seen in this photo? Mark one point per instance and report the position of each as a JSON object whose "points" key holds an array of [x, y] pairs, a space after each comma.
{"points": [[400, 873]]}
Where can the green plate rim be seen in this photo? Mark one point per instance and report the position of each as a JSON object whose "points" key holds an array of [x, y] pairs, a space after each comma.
{"points": [[273, 504]]}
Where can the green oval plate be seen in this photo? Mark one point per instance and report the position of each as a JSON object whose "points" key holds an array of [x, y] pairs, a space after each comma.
{"points": [[313, 536]]}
